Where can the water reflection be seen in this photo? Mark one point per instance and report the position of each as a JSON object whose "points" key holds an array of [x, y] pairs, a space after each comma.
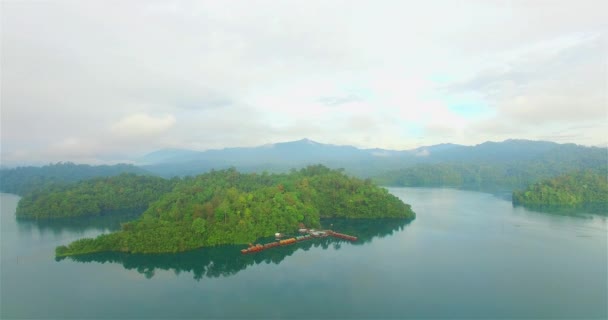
{"points": [[109, 221], [579, 211], [226, 261]]}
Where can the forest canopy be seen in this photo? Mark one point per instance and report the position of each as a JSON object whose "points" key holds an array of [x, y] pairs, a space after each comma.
{"points": [[488, 176], [574, 189], [23, 180], [93, 197], [228, 207]]}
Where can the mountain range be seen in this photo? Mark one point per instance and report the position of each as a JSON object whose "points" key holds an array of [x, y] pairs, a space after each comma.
{"points": [[362, 162], [507, 165]]}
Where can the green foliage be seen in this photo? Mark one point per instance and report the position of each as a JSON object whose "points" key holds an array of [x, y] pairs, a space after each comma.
{"points": [[573, 189], [490, 176], [227, 207], [94, 197], [23, 180], [213, 262]]}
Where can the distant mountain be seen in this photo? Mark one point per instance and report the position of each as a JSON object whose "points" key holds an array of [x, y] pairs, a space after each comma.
{"points": [[508, 164], [436, 148], [364, 162], [506, 151], [301, 150], [166, 155], [498, 166], [23, 180]]}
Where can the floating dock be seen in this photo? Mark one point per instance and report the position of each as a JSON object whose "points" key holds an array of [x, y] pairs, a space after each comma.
{"points": [[341, 236], [310, 234]]}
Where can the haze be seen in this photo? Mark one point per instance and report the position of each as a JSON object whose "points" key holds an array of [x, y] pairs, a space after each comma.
{"points": [[104, 81]]}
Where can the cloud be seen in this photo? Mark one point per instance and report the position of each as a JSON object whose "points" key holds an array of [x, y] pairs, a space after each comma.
{"points": [[99, 81], [143, 125], [338, 100], [544, 87], [423, 153]]}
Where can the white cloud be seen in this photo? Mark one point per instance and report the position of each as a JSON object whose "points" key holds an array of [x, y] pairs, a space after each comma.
{"points": [[423, 153], [143, 125], [130, 77]]}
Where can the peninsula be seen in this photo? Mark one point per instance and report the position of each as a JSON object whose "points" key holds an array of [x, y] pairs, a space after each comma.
{"points": [[93, 197], [575, 189], [228, 207]]}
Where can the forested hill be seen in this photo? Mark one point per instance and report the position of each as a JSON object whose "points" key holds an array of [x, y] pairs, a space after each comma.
{"points": [[575, 189], [505, 165], [228, 207], [280, 157], [125, 193], [23, 180], [213, 262], [502, 175]]}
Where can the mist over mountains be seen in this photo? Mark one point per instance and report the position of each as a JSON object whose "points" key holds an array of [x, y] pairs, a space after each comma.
{"points": [[363, 162], [489, 166]]}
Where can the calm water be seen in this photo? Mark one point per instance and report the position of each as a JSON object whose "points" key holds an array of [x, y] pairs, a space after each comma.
{"points": [[466, 255]]}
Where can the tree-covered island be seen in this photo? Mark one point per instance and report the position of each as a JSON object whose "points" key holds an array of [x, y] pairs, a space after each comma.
{"points": [[228, 207], [24, 180], [576, 189], [125, 192]]}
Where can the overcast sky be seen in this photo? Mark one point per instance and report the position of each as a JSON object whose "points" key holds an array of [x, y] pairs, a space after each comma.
{"points": [[94, 81]]}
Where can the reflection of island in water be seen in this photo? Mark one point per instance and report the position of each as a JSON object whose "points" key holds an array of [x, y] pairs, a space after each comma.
{"points": [[227, 260], [581, 210], [109, 221]]}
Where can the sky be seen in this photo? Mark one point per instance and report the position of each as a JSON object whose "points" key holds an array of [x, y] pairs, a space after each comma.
{"points": [[107, 81]]}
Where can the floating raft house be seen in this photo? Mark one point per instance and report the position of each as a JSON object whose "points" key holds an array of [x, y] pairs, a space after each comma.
{"points": [[307, 235]]}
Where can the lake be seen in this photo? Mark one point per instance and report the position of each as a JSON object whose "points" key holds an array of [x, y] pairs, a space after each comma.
{"points": [[466, 255]]}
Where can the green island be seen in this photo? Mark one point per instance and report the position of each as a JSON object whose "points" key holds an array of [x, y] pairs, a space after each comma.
{"points": [[122, 193], [228, 207], [575, 189], [485, 176], [224, 261], [24, 180]]}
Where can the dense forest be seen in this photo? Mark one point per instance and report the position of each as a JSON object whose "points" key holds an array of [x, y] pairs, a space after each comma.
{"points": [[490, 166], [512, 155], [490, 176], [574, 189], [226, 261], [124, 193], [23, 180], [228, 207]]}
